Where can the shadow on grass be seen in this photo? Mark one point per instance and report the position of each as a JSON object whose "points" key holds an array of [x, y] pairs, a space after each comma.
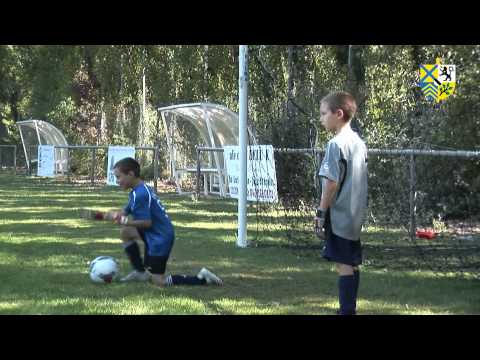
{"points": [[46, 290], [39, 275]]}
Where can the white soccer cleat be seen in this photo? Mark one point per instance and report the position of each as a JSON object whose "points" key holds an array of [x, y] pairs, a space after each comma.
{"points": [[136, 276], [210, 277]]}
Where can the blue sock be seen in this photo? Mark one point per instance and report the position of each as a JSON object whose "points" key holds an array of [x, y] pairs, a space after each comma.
{"points": [[184, 280], [346, 294], [356, 275]]}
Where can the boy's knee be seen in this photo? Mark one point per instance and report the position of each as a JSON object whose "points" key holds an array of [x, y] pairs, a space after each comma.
{"points": [[128, 233], [344, 269]]}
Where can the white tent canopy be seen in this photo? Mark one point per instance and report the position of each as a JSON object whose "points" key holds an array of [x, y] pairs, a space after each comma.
{"points": [[217, 126], [38, 132]]}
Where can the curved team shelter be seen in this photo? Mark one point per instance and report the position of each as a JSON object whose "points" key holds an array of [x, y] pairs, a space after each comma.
{"points": [[38, 132], [217, 126]]}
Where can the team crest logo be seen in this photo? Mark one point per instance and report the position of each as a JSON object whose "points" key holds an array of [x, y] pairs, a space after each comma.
{"points": [[437, 80]]}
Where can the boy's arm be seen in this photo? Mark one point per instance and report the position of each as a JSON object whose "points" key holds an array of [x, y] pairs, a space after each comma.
{"points": [[112, 215], [101, 215], [140, 207], [122, 217], [330, 170], [126, 221], [328, 193]]}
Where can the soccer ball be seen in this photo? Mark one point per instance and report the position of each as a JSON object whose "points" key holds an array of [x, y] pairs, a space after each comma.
{"points": [[104, 269]]}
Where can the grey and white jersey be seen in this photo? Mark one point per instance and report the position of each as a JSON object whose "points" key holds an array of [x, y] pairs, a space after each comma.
{"points": [[345, 162]]}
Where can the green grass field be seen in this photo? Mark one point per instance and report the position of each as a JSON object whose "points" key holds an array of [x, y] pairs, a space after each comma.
{"points": [[44, 251]]}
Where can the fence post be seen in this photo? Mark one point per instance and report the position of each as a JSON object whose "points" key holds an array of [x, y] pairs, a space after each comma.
{"points": [[413, 197], [155, 168], [92, 173], [317, 181], [69, 166], [15, 159], [198, 172], [29, 162]]}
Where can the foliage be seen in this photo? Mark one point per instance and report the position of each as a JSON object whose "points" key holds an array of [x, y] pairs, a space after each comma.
{"points": [[93, 93], [45, 250]]}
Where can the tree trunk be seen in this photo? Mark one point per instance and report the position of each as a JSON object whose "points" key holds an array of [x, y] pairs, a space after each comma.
{"points": [[417, 93], [14, 107], [290, 119], [13, 102], [351, 78], [355, 74], [205, 73]]}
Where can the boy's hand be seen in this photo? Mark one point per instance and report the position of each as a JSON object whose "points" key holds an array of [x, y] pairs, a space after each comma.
{"points": [[115, 216], [91, 214], [112, 215], [120, 219], [319, 223]]}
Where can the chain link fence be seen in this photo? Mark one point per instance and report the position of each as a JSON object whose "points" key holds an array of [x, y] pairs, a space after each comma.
{"points": [[409, 191], [8, 158], [87, 164]]}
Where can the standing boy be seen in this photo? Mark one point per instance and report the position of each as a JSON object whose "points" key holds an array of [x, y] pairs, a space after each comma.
{"points": [[343, 205]]}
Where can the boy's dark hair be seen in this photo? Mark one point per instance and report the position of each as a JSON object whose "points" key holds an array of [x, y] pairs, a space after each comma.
{"points": [[341, 100], [128, 164]]}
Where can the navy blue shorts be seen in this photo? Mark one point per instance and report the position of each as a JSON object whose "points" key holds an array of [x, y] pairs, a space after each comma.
{"points": [[340, 250]]}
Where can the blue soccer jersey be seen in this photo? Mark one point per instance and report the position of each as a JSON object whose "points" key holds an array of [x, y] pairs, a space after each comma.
{"points": [[143, 204]]}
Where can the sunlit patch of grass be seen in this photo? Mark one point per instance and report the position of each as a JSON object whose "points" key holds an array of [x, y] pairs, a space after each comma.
{"points": [[45, 249]]}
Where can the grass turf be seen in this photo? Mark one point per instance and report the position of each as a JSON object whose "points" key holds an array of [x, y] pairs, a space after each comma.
{"points": [[45, 248]]}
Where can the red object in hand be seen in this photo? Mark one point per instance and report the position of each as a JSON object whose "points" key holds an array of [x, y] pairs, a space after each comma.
{"points": [[426, 234], [99, 216]]}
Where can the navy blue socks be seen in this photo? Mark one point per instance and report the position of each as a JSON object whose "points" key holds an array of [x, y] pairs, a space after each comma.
{"points": [[184, 280], [356, 275], [346, 294]]}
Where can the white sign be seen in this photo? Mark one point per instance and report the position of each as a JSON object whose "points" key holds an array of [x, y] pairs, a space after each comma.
{"points": [[261, 175], [46, 160], [115, 154]]}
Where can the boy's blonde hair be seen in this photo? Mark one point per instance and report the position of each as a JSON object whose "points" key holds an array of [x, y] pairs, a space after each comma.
{"points": [[341, 100]]}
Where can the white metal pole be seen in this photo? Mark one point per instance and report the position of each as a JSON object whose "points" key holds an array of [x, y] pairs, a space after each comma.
{"points": [[24, 148], [39, 140], [38, 133], [242, 129]]}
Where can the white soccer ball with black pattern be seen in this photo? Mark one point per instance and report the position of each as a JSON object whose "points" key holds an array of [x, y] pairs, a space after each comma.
{"points": [[104, 269]]}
